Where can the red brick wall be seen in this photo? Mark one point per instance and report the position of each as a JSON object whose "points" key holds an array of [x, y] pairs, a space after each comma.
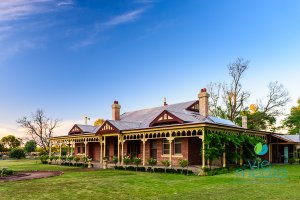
{"points": [[94, 150]]}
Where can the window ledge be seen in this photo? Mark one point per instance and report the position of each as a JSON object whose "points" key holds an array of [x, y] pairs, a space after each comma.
{"points": [[173, 156]]}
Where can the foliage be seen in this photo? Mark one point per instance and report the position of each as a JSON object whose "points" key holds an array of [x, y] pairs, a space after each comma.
{"points": [[166, 163], [40, 128], [30, 146], [5, 172], [115, 160], [76, 159], [137, 161], [52, 157], [85, 159], [44, 159], [257, 120], [215, 144], [183, 163], [292, 121], [126, 160], [11, 142], [17, 153], [63, 159], [99, 122], [152, 162], [70, 159]]}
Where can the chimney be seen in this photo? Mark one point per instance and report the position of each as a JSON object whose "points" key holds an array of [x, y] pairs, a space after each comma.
{"points": [[116, 111], [203, 102], [244, 122]]}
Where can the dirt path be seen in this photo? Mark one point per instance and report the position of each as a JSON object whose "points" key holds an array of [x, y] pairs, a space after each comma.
{"points": [[30, 175]]}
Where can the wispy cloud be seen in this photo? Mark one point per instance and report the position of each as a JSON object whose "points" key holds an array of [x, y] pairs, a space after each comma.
{"points": [[94, 35], [13, 16], [124, 18]]}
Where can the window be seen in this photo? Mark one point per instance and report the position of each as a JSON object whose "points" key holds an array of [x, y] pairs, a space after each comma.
{"points": [[83, 149], [166, 147], [153, 152], [78, 149], [177, 146]]}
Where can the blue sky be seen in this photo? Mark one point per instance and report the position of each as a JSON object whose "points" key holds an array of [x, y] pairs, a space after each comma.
{"points": [[74, 57]]}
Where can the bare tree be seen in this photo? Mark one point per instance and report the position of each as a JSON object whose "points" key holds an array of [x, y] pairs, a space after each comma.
{"points": [[233, 95], [39, 127], [277, 98]]}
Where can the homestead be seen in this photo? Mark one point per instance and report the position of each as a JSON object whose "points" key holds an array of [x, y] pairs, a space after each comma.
{"points": [[173, 132]]}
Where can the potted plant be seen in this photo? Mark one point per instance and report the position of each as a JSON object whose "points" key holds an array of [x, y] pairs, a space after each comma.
{"points": [[166, 163], [137, 161]]}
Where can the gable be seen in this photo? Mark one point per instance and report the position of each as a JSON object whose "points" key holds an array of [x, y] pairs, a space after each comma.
{"points": [[107, 127], [166, 118], [194, 107], [75, 130]]}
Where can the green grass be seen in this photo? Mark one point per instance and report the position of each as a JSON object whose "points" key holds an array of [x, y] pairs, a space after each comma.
{"points": [[111, 184]]}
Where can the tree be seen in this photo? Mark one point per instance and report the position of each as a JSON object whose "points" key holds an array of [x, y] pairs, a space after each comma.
{"points": [[17, 153], [11, 141], [30, 146], [292, 121], [39, 127], [99, 122], [228, 100]]}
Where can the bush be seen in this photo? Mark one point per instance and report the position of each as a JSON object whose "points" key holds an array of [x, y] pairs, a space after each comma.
{"points": [[152, 162], [44, 159], [115, 160], [63, 159], [76, 159], [17, 153], [166, 163], [5, 172], [292, 160], [126, 160], [183, 163], [137, 161]]}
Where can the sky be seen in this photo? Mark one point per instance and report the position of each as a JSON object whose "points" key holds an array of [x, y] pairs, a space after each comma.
{"points": [[75, 57]]}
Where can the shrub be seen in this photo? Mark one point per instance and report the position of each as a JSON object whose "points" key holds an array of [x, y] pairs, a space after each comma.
{"points": [[84, 159], [44, 159], [76, 159], [166, 163], [183, 163], [152, 162], [70, 159], [5, 172], [137, 161], [55, 158], [126, 160], [63, 159], [292, 160], [115, 160], [17, 153]]}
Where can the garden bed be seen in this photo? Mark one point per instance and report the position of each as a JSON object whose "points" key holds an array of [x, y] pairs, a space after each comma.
{"points": [[30, 175]]}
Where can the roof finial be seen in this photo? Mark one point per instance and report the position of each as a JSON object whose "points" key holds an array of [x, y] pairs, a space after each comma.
{"points": [[165, 102]]}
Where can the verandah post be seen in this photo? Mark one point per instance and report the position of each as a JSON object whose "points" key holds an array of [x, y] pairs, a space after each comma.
{"points": [[101, 157], [170, 153], [50, 146], [122, 149], [203, 151], [118, 150], [144, 149]]}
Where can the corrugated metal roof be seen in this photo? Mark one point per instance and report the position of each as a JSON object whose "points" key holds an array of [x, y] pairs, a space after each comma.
{"points": [[291, 138], [140, 119], [88, 128]]}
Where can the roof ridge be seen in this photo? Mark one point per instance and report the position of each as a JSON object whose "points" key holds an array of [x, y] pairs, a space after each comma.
{"points": [[160, 106]]}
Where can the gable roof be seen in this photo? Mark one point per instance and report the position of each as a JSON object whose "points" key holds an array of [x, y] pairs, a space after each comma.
{"points": [[85, 129], [141, 119]]}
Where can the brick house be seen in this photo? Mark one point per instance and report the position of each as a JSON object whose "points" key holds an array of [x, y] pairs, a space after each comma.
{"points": [[170, 132]]}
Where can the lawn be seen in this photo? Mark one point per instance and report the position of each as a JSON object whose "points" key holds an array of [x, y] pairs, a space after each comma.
{"points": [[111, 184]]}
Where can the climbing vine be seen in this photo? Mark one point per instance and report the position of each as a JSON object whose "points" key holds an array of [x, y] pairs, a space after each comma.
{"points": [[218, 143]]}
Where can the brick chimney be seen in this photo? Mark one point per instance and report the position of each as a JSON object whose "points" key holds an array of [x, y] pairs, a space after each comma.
{"points": [[244, 122], [203, 102], [116, 111]]}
